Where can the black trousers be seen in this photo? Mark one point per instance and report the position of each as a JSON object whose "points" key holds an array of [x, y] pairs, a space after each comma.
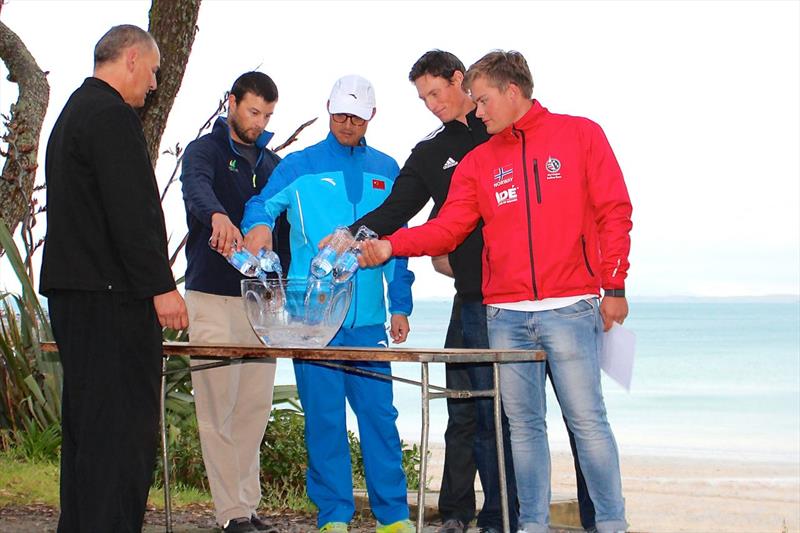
{"points": [[110, 348], [457, 493]]}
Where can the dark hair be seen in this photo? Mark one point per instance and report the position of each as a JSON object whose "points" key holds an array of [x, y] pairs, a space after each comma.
{"points": [[117, 39], [437, 63], [257, 83], [501, 68]]}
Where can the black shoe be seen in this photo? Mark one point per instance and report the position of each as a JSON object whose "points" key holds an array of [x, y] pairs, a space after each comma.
{"points": [[260, 525], [488, 530], [239, 525], [452, 525]]}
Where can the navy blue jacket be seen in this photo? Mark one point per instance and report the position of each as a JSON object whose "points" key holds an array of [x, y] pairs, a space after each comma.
{"points": [[218, 179]]}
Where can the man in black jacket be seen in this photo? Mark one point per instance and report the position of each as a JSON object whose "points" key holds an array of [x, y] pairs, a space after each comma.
{"points": [[469, 438], [106, 274], [470, 435], [221, 172]]}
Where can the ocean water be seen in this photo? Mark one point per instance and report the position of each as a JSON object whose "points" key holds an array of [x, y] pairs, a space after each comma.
{"points": [[711, 379]]}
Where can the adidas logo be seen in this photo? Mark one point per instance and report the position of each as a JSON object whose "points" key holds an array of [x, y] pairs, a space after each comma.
{"points": [[450, 163]]}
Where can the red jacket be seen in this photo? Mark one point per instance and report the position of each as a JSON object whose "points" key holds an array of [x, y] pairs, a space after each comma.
{"points": [[556, 211]]}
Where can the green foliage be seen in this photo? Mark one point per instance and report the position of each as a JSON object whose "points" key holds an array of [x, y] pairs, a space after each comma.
{"points": [[30, 379], [38, 445], [411, 464], [283, 452]]}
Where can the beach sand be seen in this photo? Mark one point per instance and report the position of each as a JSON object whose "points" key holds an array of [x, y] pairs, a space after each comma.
{"points": [[676, 494]]}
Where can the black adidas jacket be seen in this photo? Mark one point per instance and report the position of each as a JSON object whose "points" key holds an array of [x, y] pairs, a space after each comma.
{"points": [[426, 174]]}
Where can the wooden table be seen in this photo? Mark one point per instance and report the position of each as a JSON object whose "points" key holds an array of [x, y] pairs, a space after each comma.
{"points": [[225, 354]]}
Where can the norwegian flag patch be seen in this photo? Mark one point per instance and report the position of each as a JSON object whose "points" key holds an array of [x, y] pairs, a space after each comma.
{"points": [[379, 184]]}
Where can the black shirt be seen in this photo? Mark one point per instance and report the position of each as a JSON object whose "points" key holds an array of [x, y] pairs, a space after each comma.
{"points": [[425, 175], [105, 227]]}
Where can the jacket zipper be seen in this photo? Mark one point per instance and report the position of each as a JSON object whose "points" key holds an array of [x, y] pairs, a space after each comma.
{"points": [[528, 210], [586, 257], [355, 283], [536, 178]]}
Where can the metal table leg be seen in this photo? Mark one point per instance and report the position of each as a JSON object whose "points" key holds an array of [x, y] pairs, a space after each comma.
{"points": [[164, 450], [423, 465], [501, 459]]}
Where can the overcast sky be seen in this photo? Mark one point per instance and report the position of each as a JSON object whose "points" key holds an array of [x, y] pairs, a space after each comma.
{"points": [[700, 101]]}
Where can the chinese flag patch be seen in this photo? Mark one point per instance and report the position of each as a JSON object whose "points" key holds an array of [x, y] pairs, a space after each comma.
{"points": [[378, 184]]}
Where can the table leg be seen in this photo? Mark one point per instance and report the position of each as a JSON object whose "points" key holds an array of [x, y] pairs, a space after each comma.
{"points": [[423, 462], [164, 450], [501, 458]]}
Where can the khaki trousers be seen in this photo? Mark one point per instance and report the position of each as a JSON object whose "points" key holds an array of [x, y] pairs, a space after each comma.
{"points": [[232, 404]]}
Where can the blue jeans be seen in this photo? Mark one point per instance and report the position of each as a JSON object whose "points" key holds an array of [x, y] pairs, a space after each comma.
{"points": [[572, 338], [473, 319]]}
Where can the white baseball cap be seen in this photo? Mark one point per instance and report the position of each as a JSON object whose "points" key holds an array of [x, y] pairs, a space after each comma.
{"points": [[353, 95]]}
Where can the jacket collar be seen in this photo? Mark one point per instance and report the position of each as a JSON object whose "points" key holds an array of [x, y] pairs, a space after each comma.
{"points": [[339, 148], [222, 131], [97, 83], [529, 121], [472, 122]]}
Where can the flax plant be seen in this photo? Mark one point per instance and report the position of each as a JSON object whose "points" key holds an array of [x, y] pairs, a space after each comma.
{"points": [[30, 379]]}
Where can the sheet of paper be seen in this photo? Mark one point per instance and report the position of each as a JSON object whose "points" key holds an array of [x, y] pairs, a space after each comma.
{"points": [[616, 360]]}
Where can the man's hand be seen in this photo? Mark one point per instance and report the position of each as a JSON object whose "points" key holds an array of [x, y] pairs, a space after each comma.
{"points": [[374, 252], [441, 264], [171, 310], [613, 309], [224, 235], [257, 238], [325, 240], [399, 329]]}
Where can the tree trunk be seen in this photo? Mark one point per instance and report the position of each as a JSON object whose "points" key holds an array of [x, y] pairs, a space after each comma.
{"points": [[24, 125], [173, 24]]}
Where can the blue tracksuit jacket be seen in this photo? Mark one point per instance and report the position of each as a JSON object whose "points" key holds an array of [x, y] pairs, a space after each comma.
{"points": [[328, 185]]}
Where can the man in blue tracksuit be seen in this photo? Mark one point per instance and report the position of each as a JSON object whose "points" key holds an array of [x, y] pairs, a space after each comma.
{"points": [[327, 185]]}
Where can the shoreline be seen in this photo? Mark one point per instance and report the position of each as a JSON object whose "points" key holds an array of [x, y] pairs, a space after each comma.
{"points": [[665, 494]]}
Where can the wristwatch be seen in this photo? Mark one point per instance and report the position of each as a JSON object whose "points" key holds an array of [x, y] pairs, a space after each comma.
{"points": [[619, 293]]}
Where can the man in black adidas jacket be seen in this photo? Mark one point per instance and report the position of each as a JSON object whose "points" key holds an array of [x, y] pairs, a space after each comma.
{"points": [[470, 435]]}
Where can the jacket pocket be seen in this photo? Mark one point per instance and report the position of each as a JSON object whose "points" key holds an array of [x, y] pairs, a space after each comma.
{"points": [[586, 257]]}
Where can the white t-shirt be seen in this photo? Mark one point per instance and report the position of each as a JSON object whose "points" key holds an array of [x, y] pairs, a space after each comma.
{"points": [[548, 304]]}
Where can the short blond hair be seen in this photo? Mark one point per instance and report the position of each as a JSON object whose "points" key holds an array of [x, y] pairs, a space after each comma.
{"points": [[501, 68]]}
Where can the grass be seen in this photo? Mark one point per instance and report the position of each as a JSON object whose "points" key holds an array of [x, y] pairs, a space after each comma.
{"points": [[25, 482]]}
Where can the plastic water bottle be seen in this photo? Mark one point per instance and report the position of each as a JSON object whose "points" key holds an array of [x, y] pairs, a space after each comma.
{"points": [[247, 264], [323, 262], [269, 261], [347, 263]]}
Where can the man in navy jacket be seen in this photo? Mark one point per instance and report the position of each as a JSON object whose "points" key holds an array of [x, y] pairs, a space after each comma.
{"points": [[221, 172]]}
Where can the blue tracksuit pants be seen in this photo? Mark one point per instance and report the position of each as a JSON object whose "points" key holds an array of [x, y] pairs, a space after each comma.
{"points": [[329, 477]]}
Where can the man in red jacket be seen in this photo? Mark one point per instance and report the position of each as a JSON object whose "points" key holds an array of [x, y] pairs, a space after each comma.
{"points": [[557, 219]]}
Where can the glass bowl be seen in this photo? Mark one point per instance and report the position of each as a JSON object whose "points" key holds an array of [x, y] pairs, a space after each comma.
{"points": [[296, 313]]}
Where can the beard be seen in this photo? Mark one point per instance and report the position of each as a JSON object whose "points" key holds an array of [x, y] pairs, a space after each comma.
{"points": [[246, 136]]}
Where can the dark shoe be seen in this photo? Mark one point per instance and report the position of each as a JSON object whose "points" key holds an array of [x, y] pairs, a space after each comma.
{"points": [[488, 530], [239, 525], [260, 525], [453, 525]]}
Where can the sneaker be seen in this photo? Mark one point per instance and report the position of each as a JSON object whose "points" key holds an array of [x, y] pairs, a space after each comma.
{"points": [[239, 525], [401, 526], [488, 530], [334, 527], [452, 525], [260, 525]]}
